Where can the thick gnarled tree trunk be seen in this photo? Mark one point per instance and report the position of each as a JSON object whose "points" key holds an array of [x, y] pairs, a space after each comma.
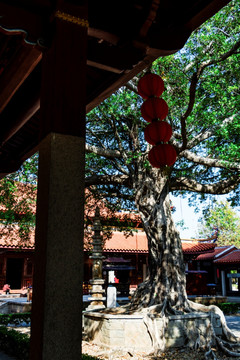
{"points": [[166, 281], [164, 291]]}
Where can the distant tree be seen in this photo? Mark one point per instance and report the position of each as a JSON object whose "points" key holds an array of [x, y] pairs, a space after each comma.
{"points": [[223, 217]]}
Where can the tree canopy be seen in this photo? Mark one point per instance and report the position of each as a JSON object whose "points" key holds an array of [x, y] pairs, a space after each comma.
{"points": [[202, 91]]}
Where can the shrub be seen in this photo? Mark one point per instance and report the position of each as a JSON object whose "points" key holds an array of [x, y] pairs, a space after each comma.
{"points": [[15, 319], [16, 344], [229, 308], [88, 357]]}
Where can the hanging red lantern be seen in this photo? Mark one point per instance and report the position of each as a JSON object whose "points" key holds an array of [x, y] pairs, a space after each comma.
{"points": [[154, 108], [161, 155], [158, 131], [150, 85]]}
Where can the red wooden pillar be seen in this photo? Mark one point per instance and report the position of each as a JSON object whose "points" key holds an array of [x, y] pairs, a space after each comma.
{"points": [[57, 288]]}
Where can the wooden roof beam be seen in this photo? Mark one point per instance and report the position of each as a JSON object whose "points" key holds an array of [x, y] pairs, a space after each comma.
{"points": [[115, 84], [104, 67], [17, 72], [103, 36]]}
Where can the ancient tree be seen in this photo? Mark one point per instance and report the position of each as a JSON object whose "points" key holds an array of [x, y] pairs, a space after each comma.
{"points": [[202, 91]]}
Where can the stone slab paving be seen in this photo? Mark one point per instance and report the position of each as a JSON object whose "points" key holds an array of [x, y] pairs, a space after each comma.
{"points": [[233, 323]]}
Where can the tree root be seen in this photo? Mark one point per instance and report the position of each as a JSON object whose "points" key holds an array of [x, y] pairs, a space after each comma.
{"points": [[229, 343], [225, 349], [209, 355], [214, 309], [157, 336], [232, 340]]}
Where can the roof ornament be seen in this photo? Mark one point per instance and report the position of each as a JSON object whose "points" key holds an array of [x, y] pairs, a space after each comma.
{"points": [[71, 18]]}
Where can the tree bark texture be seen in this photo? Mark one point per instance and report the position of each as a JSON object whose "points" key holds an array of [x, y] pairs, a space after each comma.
{"points": [[166, 281]]}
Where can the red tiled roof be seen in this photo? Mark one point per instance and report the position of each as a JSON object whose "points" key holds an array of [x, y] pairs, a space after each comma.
{"points": [[26, 192], [105, 213], [218, 252], [119, 243], [136, 243], [233, 258], [11, 240], [195, 247], [23, 192]]}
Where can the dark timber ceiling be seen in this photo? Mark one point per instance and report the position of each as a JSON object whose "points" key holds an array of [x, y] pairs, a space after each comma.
{"points": [[124, 37]]}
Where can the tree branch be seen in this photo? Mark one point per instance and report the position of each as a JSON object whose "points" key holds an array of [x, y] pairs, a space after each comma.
{"points": [[219, 188], [107, 153], [193, 86], [190, 65], [203, 135], [123, 152], [207, 134], [223, 57], [192, 96], [96, 135], [129, 85], [217, 163], [108, 180], [118, 195]]}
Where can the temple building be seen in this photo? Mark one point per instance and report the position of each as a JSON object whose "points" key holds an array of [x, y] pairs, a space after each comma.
{"points": [[209, 268]]}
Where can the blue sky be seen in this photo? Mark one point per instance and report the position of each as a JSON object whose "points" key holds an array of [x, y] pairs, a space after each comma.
{"points": [[186, 213]]}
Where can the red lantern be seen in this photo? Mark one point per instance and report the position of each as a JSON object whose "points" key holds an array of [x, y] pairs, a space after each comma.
{"points": [[161, 155], [158, 131], [154, 108], [150, 85]]}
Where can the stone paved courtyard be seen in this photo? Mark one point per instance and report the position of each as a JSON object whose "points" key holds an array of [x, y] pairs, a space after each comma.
{"points": [[120, 353]]}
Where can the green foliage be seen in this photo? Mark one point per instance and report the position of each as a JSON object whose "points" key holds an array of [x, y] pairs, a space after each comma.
{"points": [[229, 308], [15, 319], [18, 202], [14, 343], [88, 357], [17, 344], [226, 219], [217, 93], [202, 90], [203, 94]]}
